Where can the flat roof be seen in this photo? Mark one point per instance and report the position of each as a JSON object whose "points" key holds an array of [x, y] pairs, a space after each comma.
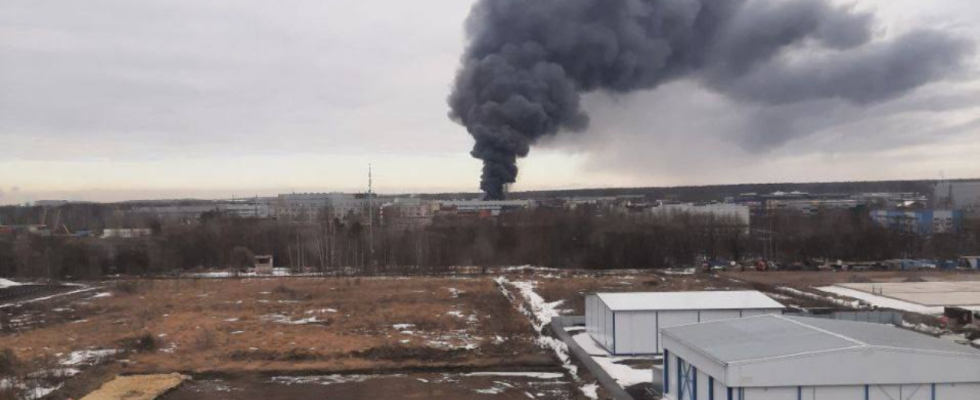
{"points": [[776, 336], [667, 301]]}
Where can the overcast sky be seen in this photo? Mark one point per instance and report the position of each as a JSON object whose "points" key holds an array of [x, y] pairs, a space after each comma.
{"points": [[118, 99]]}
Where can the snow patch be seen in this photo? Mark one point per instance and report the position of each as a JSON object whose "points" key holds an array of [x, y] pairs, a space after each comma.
{"points": [[591, 391], [883, 302], [844, 303], [6, 283], [534, 375], [325, 380], [88, 357], [282, 319]]}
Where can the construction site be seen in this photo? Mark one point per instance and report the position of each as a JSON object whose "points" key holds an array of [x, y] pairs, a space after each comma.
{"points": [[503, 333]]}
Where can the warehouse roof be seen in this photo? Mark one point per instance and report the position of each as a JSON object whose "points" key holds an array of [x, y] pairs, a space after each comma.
{"points": [[665, 301], [776, 336]]}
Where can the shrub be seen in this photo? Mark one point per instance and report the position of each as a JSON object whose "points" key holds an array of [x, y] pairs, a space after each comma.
{"points": [[205, 340], [144, 343], [8, 362]]}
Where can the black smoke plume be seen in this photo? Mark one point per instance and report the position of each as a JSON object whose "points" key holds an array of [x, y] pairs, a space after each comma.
{"points": [[528, 62]]}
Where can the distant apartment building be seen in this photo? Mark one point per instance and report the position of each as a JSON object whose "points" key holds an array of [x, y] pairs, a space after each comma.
{"points": [[484, 208], [811, 204], [737, 212], [190, 211], [408, 213], [919, 222], [299, 206]]}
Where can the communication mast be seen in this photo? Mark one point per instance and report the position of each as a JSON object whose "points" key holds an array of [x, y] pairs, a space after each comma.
{"points": [[370, 216]]}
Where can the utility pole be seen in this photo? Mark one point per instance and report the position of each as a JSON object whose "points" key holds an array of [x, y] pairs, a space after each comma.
{"points": [[370, 216]]}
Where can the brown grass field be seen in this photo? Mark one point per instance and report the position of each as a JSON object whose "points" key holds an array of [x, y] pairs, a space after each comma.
{"points": [[301, 326]]}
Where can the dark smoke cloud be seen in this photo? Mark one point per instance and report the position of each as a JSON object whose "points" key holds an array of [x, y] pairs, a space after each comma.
{"points": [[529, 61]]}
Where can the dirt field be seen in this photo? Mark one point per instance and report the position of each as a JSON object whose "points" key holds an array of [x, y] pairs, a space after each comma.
{"points": [[552, 386], [326, 325], [224, 329]]}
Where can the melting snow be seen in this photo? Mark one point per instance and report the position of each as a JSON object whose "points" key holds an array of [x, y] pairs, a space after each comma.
{"points": [[6, 283], [535, 375], [87, 357], [624, 374], [541, 314], [282, 319], [590, 391], [882, 302], [319, 380]]}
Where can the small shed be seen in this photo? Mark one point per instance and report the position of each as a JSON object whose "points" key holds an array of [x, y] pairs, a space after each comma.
{"points": [[776, 357], [264, 264], [629, 323]]}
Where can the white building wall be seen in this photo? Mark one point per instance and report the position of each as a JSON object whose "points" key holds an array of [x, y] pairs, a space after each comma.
{"points": [[960, 391], [809, 367], [856, 367], [638, 332], [854, 392], [704, 382], [599, 322], [672, 318], [718, 315], [634, 333]]}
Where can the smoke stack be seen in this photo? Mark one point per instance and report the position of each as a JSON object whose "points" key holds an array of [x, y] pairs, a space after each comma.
{"points": [[528, 62]]}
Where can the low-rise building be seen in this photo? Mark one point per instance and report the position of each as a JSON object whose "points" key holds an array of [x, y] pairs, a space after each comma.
{"points": [[775, 357], [408, 213], [629, 323], [310, 206], [740, 214], [919, 222], [484, 207], [264, 264]]}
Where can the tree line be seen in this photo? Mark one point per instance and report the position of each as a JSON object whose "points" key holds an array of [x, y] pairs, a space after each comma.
{"points": [[582, 238]]}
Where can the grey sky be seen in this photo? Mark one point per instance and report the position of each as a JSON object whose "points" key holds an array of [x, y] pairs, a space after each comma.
{"points": [[111, 99]]}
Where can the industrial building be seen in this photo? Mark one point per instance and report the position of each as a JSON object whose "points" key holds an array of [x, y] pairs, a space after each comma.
{"points": [[629, 323], [920, 222], [486, 207], [775, 357]]}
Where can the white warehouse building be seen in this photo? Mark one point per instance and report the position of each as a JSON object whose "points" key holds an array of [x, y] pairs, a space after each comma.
{"points": [[629, 323], [775, 357]]}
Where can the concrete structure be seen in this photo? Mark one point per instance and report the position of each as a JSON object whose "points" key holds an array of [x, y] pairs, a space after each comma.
{"points": [[629, 323], [738, 212], [309, 206], [126, 233], [408, 213], [485, 208], [264, 264], [193, 210], [776, 357], [920, 222]]}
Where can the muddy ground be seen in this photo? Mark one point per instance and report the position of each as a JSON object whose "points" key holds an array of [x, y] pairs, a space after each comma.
{"points": [[448, 386]]}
